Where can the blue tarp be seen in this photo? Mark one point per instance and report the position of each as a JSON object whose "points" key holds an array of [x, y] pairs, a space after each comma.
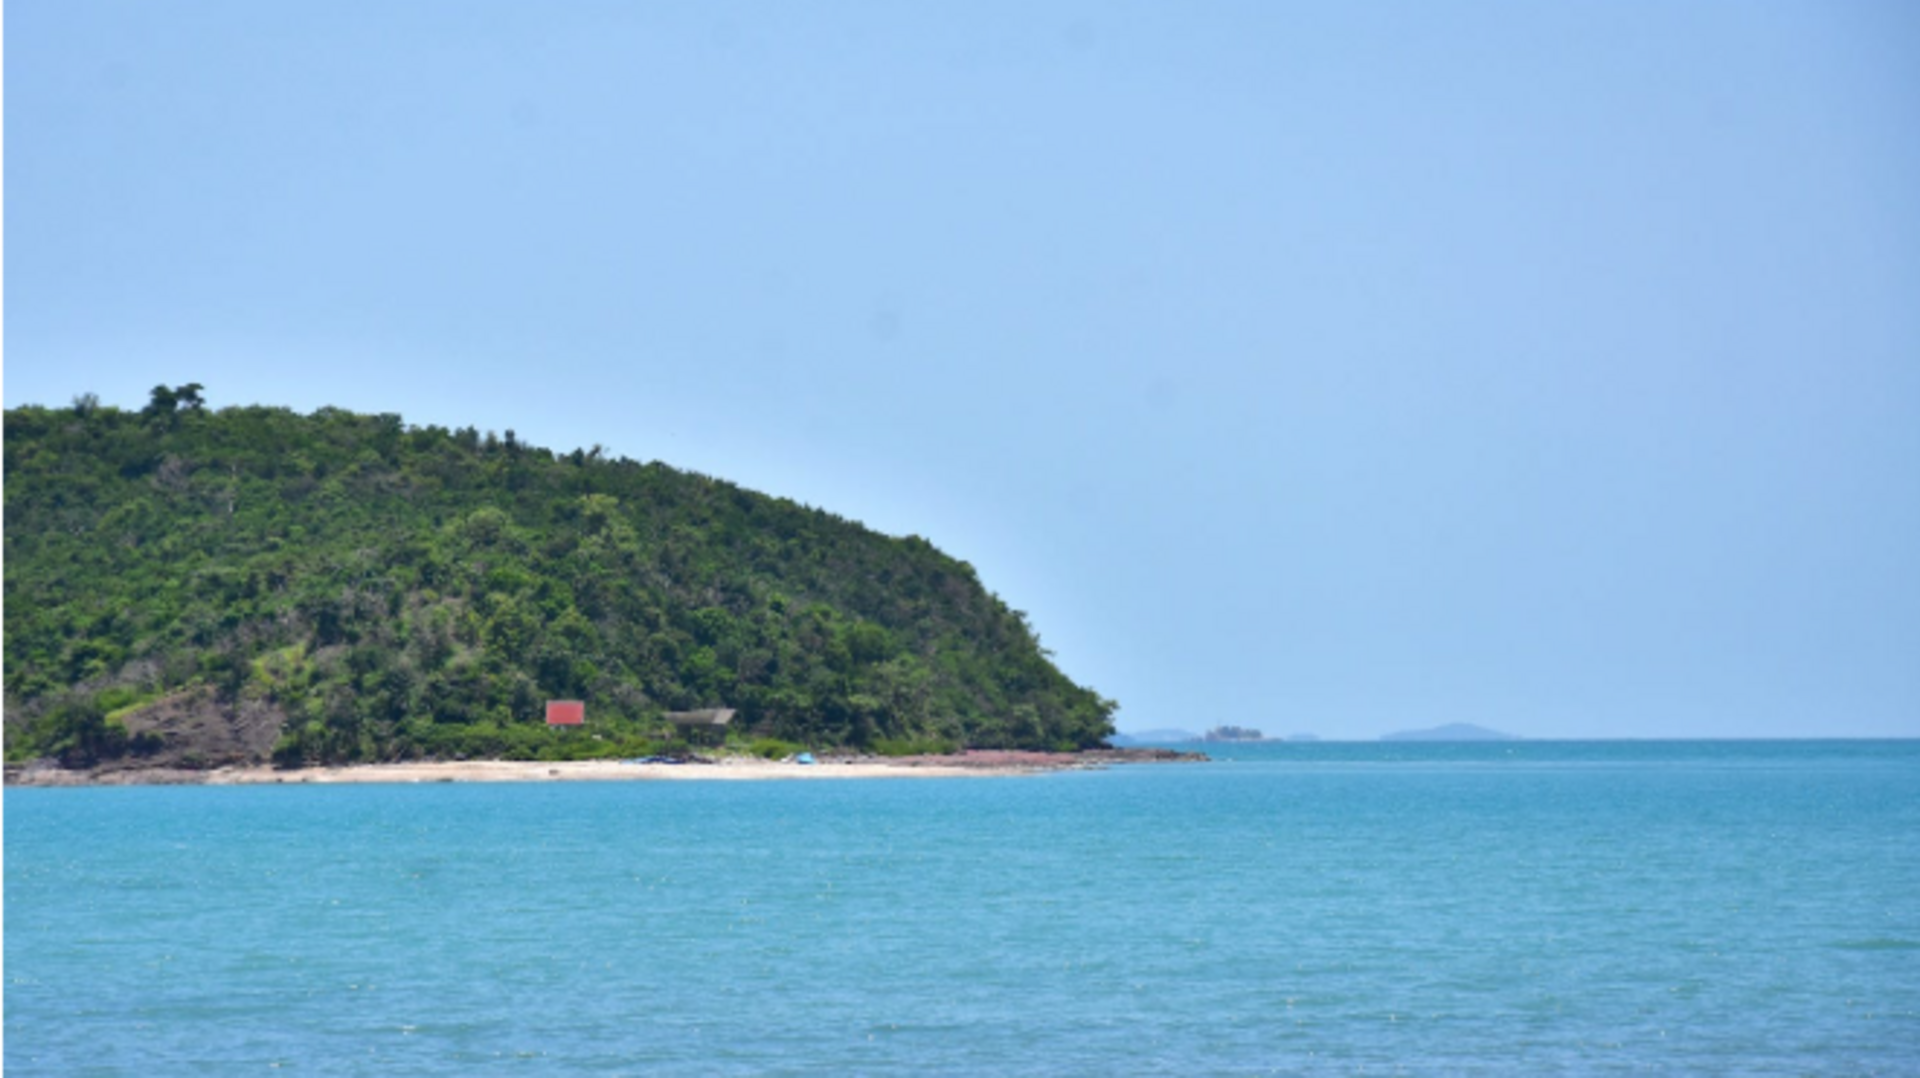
{"points": [[803, 758]]}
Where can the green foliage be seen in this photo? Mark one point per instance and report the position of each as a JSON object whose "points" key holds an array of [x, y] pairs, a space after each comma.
{"points": [[402, 592], [77, 731], [772, 748], [915, 747]]}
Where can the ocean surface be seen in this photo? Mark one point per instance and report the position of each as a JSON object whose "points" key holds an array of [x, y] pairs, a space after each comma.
{"points": [[1520, 908]]}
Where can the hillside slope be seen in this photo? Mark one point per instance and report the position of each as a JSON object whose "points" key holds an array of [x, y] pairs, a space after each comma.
{"points": [[213, 586]]}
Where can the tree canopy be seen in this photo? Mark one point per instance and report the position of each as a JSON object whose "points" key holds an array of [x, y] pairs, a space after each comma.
{"points": [[366, 590]]}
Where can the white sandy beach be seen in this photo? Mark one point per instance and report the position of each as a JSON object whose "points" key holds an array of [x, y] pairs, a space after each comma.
{"points": [[978, 763], [727, 769]]}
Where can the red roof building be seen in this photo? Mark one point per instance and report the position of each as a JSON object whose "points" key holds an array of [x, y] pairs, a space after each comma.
{"points": [[566, 713]]}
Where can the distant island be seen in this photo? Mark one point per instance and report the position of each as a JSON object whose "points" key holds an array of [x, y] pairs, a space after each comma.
{"points": [[1453, 731], [198, 588], [1233, 733]]}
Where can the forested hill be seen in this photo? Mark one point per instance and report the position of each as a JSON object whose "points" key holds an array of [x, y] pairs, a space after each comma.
{"points": [[185, 585]]}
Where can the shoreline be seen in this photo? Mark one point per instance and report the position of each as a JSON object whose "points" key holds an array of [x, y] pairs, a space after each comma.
{"points": [[974, 764]]}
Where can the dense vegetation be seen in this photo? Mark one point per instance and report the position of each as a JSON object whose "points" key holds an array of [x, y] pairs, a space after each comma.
{"points": [[367, 590]]}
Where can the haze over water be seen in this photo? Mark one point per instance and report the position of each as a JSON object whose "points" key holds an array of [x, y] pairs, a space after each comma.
{"points": [[1488, 909]]}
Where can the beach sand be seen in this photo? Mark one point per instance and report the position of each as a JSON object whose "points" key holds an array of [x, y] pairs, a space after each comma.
{"points": [[727, 769], [975, 764]]}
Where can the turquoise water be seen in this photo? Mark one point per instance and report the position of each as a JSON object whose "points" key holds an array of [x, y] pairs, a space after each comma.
{"points": [[1503, 909]]}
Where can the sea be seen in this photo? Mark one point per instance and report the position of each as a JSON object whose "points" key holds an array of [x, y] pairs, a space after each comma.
{"points": [[1519, 908]]}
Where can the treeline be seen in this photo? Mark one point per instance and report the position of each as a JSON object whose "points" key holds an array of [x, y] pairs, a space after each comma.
{"points": [[385, 591]]}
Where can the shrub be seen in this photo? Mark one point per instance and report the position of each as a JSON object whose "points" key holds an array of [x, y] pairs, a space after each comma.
{"points": [[772, 748], [931, 746]]}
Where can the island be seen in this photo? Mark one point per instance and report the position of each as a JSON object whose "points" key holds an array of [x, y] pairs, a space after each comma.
{"points": [[194, 591], [1233, 733]]}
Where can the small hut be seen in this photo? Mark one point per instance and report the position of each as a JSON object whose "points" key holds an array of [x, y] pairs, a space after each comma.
{"points": [[566, 713], [708, 726]]}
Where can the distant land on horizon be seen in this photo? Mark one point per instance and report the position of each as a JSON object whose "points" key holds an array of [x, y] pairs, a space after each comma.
{"points": [[1453, 731], [1234, 734]]}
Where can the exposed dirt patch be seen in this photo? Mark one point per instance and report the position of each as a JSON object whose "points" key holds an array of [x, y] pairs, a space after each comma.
{"points": [[197, 731]]}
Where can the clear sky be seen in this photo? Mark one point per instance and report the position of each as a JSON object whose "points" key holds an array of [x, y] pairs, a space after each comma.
{"points": [[1331, 367]]}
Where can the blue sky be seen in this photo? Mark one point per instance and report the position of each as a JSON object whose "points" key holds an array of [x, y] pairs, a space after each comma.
{"points": [[1334, 368]]}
